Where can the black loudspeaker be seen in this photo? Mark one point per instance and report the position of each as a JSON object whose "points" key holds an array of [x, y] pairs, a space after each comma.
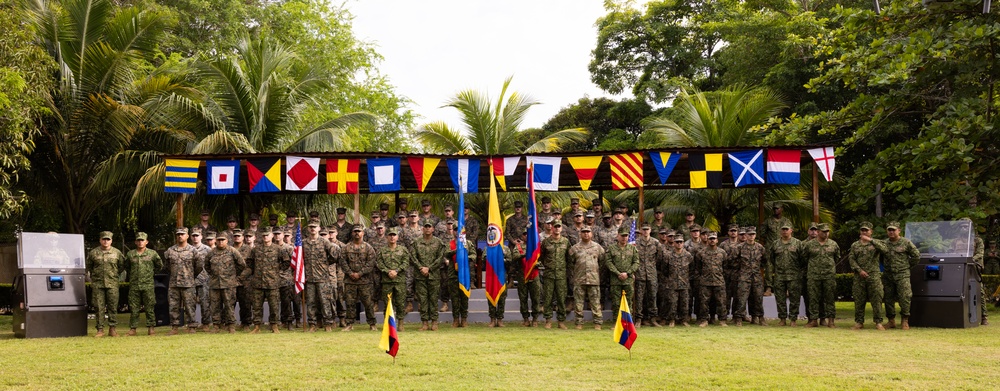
{"points": [[162, 309]]}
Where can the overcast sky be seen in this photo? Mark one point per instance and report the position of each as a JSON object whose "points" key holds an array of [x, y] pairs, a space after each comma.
{"points": [[436, 48]]}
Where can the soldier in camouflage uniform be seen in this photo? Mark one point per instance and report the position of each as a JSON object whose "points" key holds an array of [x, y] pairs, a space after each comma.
{"points": [[460, 301], [343, 227], [103, 263], [496, 311], [730, 268], [693, 244], [442, 229], [712, 283], [585, 260], [785, 267], [750, 290], [678, 263], [900, 255], [546, 211], [336, 281], [358, 262], [472, 226], [182, 263], [201, 280], [991, 259], [225, 267], [427, 260], [568, 218], [392, 261], [977, 258], [650, 254], [528, 288], [658, 222], [244, 290], [685, 228], [317, 255], [622, 260], [772, 226], [553, 267], [379, 241], [822, 255], [867, 287], [572, 230], [267, 261], [140, 265], [426, 213], [606, 235], [290, 310], [515, 223]]}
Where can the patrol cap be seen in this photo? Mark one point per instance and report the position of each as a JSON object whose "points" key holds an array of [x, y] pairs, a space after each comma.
{"points": [[622, 205], [671, 232], [574, 201], [679, 239], [313, 213], [595, 201], [663, 231], [892, 225], [204, 212], [646, 226], [427, 223], [578, 213], [448, 207], [292, 213], [181, 231], [403, 201], [254, 216], [518, 204], [866, 225], [549, 220], [605, 217], [425, 203], [237, 232], [266, 232], [619, 212], [379, 225], [813, 226], [823, 227], [231, 219], [106, 235], [393, 231], [323, 232], [586, 228], [713, 235], [359, 227], [375, 214], [742, 230], [314, 223], [383, 206], [287, 231], [219, 237], [141, 236], [734, 227], [689, 212], [556, 223], [414, 214], [695, 227], [195, 231], [341, 211], [751, 230], [777, 205], [786, 226], [589, 215], [546, 200], [624, 230], [273, 218], [277, 230], [657, 210]]}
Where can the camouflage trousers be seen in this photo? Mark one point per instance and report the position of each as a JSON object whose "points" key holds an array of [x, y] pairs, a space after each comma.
{"points": [[677, 305], [496, 311], [867, 290], [105, 300], [336, 294], [222, 301], [661, 296], [694, 297], [273, 297], [529, 296], [141, 299], [319, 302], [749, 293], [398, 292], [206, 306], [711, 295], [459, 301], [426, 291], [645, 300], [805, 298], [583, 292], [377, 295], [822, 297], [896, 289], [786, 297], [352, 294], [616, 296], [179, 298], [244, 297], [446, 292], [290, 308], [732, 282], [554, 297]]}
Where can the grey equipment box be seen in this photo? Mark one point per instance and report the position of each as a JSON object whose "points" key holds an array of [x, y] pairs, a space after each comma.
{"points": [[946, 285], [49, 295]]}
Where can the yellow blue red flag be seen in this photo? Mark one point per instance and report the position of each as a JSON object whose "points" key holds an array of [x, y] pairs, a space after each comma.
{"points": [[624, 328], [390, 339], [496, 272]]}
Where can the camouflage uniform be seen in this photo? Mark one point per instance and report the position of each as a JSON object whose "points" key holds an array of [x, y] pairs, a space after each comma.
{"points": [[441, 230], [201, 284], [290, 311], [244, 291], [427, 253], [865, 257], [514, 227], [991, 263], [343, 231], [140, 269], [585, 260], [712, 287], [730, 272], [397, 259], [527, 290], [553, 267], [678, 284], [977, 258], [182, 263], [650, 254], [771, 229], [605, 236], [899, 258], [317, 255], [472, 230], [786, 263], [459, 299], [360, 259], [104, 266], [821, 278], [224, 267], [268, 262], [496, 311], [621, 259], [571, 233], [750, 288]]}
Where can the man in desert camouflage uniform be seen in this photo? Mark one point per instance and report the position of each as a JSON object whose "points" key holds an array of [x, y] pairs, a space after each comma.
{"points": [[585, 260], [712, 283], [678, 264], [182, 263], [225, 267], [750, 288], [358, 262], [317, 255], [267, 261], [650, 255]]}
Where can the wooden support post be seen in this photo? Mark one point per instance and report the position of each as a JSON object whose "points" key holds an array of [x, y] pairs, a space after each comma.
{"points": [[179, 208], [815, 192], [760, 206], [357, 208], [642, 206]]}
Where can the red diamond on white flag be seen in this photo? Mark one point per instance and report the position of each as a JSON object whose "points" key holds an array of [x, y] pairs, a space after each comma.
{"points": [[301, 173]]}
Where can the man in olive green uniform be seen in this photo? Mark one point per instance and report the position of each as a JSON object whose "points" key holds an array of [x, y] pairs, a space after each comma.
{"points": [[183, 264], [427, 260], [553, 267], [529, 289], [343, 227], [750, 288], [317, 255], [392, 261], [141, 264], [900, 255], [977, 257], [785, 267], [444, 227], [658, 222], [991, 260], [358, 262], [650, 254], [822, 255], [678, 267], [712, 284], [867, 287], [459, 300], [225, 267], [103, 263], [621, 260], [585, 259], [268, 261]]}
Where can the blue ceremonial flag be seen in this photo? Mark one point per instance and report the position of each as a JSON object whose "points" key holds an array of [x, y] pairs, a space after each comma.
{"points": [[533, 245], [468, 170], [664, 163], [747, 167], [462, 253], [223, 176], [383, 174]]}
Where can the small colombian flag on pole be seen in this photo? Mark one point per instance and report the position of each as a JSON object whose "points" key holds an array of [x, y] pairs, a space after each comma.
{"points": [[390, 340], [624, 328]]}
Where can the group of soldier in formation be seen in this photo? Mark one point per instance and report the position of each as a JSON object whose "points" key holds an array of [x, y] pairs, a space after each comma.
{"points": [[587, 257]]}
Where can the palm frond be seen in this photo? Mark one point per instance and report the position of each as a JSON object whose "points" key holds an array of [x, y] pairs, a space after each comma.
{"points": [[437, 137], [555, 141], [222, 142]]}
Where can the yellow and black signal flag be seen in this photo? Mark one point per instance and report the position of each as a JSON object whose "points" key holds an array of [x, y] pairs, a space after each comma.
{"points": [[706, 170]]}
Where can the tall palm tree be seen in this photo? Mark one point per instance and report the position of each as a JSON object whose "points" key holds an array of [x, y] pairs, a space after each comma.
{"points": [[728, 118]]}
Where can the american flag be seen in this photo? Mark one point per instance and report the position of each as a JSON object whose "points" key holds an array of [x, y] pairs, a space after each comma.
{"points": [[631, 234], [298, 266]]}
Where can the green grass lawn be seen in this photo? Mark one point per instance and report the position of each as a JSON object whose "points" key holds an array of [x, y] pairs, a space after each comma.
{"points": [[515, 358]]}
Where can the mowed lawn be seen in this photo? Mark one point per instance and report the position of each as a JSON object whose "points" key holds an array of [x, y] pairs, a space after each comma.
{"points": [[515, 358]]}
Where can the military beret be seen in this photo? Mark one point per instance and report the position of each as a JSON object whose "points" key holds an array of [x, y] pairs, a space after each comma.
{"points": [[624, 230], [425, 202], [586, 228], [141, 236], [393, 231], [866, 225], [546, 200], [181, 231], [359, 227], [518, 204], [292, 213], [574, 201], [383, 206], [823, 227], [892, 225], [254, 216], [341, 211], [313, 213]]}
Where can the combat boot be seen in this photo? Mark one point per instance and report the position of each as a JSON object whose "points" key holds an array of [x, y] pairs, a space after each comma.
{"points": [[275, 329], [434, 325], [423, 326], [173, 330], [562, 325], [399, 326], [231, 329], [822, 321], [152, 331], [464, 322], [760, 321], [526, 322], [738, 321], [783, 322], [455, 322], [891, 323], [204, 328], [579, 326], [100, 333], [597, 326], [256, 330], [671, 324], [341, 323], [723, 323], [858, 326], [312, 328], [655, 323], [637, 324], [829, 323], [499, 322], [984, 322], [131, 333], [548, 323], [493, 323], [905, 324], [288, 326], [685, 324], [746, 318], [328, 328], [703, 323], [348, 328], [534, 322], [112, 332], [372, 327], [812, 323], [792, 323], [192, 330], [213, 329], [878, 326]]}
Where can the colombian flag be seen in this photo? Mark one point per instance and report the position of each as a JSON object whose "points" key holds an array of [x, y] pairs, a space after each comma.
{"points": [[390, 340], [496, 273], [624, 328]]}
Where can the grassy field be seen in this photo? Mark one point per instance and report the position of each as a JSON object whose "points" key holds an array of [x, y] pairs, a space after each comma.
{"points": [[515, 358]]}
